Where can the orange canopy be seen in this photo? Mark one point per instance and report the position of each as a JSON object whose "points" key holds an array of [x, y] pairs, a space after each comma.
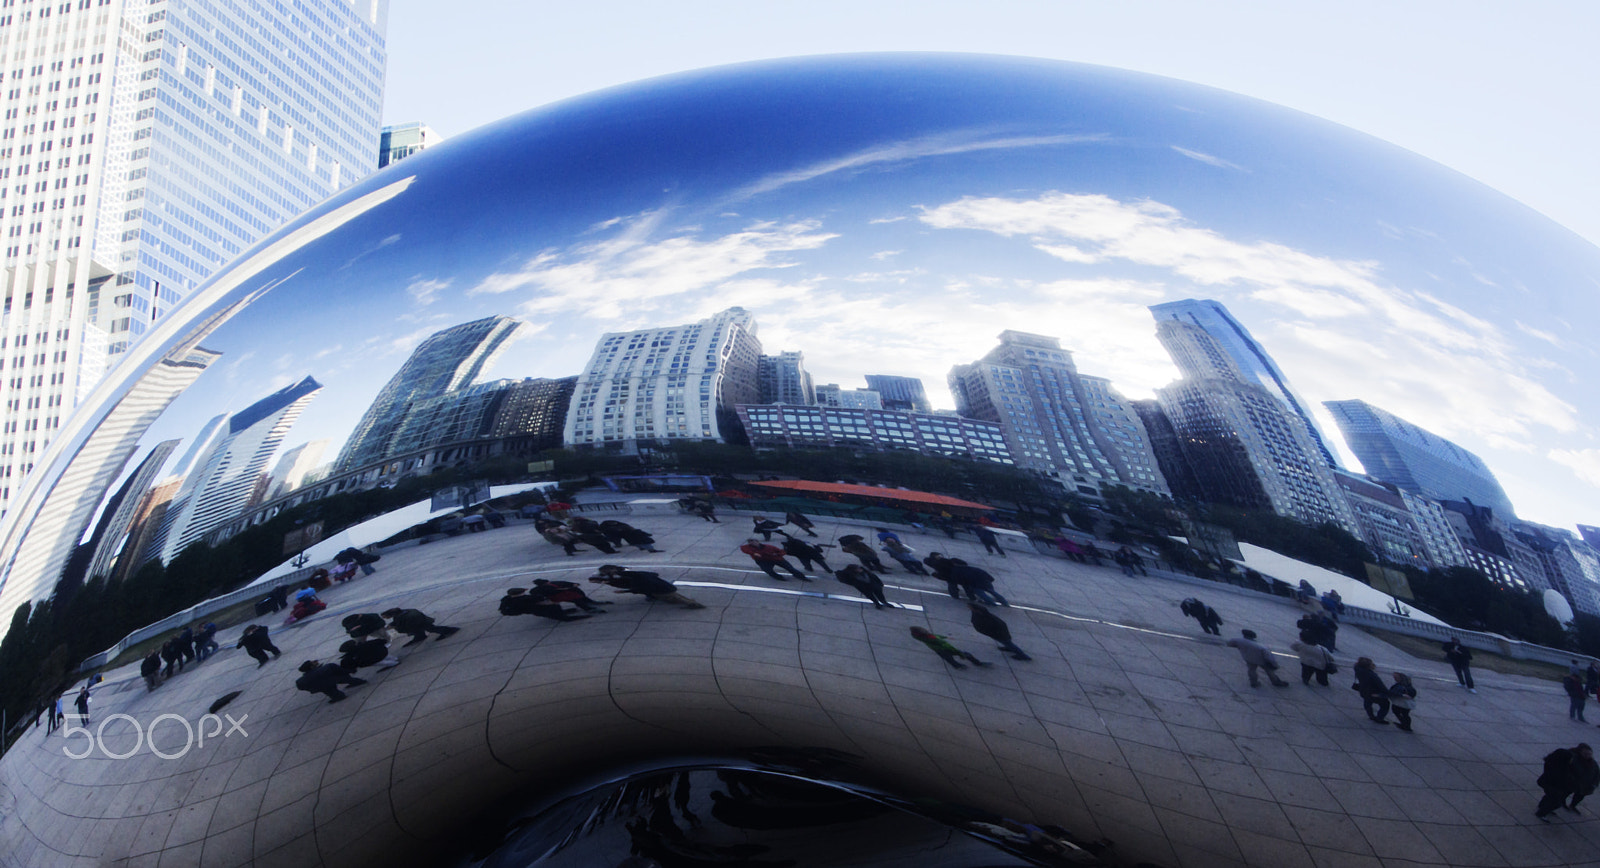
{"points": [[922, 497]]}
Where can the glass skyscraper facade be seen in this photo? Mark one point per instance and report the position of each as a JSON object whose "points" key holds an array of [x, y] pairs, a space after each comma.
{"points": [[1395, 451], [145, 144], [1251, 360]]}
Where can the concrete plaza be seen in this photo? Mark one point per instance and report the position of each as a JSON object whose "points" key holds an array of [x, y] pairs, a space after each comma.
{"points": [[1128, 724]]}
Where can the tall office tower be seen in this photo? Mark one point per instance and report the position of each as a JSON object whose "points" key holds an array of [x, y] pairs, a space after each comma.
{"points": [[227, 476], [146, 144], [1170, 460], [1057, 421], [144, 534], [831, 395], [122, 509], [1590, 535], [783, 379], [399, 141], [1492, 547], [1245, 445], [1233, 341], [900, 393], [69, 501], [447, 360], [1394, 450], [295, 465], [672, 383], [1435, 537], [534, 412], [1568, 563]]}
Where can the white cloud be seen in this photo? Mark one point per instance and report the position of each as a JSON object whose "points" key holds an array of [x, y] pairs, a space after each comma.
{"points": [[425, 291], [1337, 329], [886, 254], [1583, 462]]}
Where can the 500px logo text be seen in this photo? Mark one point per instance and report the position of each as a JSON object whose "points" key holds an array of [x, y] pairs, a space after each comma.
{"points": [[194, 736]]}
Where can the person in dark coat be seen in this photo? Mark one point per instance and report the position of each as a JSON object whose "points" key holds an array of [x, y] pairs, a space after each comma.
{"points": [[150, 669], [173, 656], [903, 555], [1577, 697], [256, 642], [978, 584], [865, 581], [643, 582], [1374, 693], [353, 555], [1210, 621], [765, 526], [941, 566], [82, 702], [1461, 661], [325, 678], [806, 553], [1566, 771], [1322, 630], [991, 543], [566, 592], [557, 534], [854, 544], [364, 624], [770, 558], [205, 641], [416, 625], [800, 521], [989, 624], [592, 536], [518, 601], [280, 598], [361, 653], [185, 642], [941, 646], [627, 533], [1402, 698], [1591, 679]]}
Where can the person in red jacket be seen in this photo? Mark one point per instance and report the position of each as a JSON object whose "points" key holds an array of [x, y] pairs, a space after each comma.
{"points": [[769, 558]]}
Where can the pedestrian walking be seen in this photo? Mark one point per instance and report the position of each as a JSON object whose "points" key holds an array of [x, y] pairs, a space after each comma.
{"points": [[642, 582], [150, 670], [256, 642], [1461, 661], [58, 716], [174, 658], [1374, 693], [1402, 698], [977, 583], [865, 581], [806, 553], [325, 678], [989, 624], [619, 532], [855, 544], [991, 543], [800, 521], [941, 646], [518, 601], [1210, 621], [1566, 771], [364, 624], [765, 526], [557, 534], [1314, 661], [1256, 657], [557, 591], [82, 702], [941, 567], [770, 558], [1323, 630], [206, 640], [904, 555], [1577, 697], [417, 625]]}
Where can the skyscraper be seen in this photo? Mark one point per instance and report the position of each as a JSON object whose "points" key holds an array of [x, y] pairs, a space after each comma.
{"points": [[146, 144], [1250, 362], [227, 476], [121, 510], [832, 395], [900, 393], [1245, 446], [445, 361], [399, 141], [1415, 459], [1057, 421], [671, 383], [784, 379]]}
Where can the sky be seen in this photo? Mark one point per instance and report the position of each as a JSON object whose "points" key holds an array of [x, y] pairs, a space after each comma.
{"points": [[1503, 93]]}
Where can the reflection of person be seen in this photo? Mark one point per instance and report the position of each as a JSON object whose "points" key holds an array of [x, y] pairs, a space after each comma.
{"points": [[770, 558], [991, 543], [1374, 695], [360, 653], [1567, 770], [257, 643], [150, 670], [806, 553], [417, 625], [325, 678], [990, 624], [1461, 661], [83, 706], [1210, 621], [941, 646], [1402, 698], [865, 581], [1256, 658], [642, 582], [800, 521], [764, 526], [978, 584], [518, 601], [1314, 660], [565, 592]]}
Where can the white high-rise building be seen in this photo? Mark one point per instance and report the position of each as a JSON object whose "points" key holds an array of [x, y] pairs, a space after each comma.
{"points": [[672, 383], [144, 145]]}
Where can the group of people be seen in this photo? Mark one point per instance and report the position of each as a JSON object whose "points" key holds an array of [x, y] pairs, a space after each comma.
{"points": [[368, 645], [604, 536], [190, 646]]}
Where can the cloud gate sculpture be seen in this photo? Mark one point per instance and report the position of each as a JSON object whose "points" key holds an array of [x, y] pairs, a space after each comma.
{"points": [[1128, 287]]}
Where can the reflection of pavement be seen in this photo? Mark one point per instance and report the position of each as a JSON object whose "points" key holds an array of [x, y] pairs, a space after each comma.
{"points": [[1127, 725]]}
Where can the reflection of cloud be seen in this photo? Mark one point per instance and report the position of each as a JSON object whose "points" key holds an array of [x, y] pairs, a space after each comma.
{"points": [[881, 220], [1207, 159], [424, 291], [1583, 462], [629, 273], [911, 149], [1338, 331], [885, 254]]}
